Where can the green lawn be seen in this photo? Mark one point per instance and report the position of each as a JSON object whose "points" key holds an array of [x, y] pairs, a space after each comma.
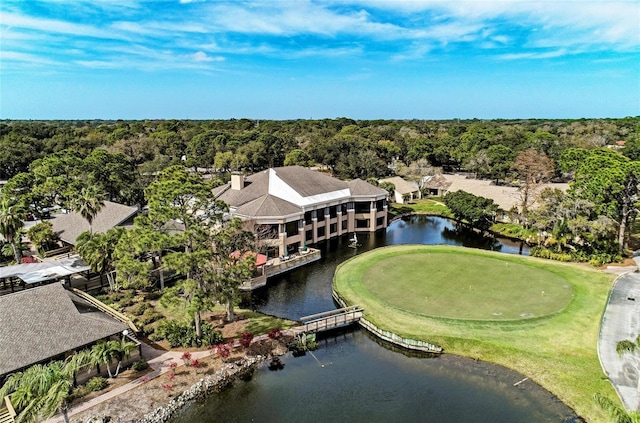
{"points": [[465, 286], [557, 351], [431, 206]]}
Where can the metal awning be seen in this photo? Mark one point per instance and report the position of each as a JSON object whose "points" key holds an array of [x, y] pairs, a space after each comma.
{"points": [[40, 272]]}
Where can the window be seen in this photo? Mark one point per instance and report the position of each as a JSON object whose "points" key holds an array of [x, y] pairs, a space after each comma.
{"points": [[333, 228], [309, 235], [363, 207], [362, 223], [380, 205], [321, 232], [292, 228], [320, 213], [345, 225], [380, 221], [333, 211], [307, 218]]}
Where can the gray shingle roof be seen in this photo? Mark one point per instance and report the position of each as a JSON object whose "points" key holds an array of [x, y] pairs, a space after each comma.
{"points": [[360, 187], [69, 226], [268, 205], [39, 323], [307, 182], [253, 199]]}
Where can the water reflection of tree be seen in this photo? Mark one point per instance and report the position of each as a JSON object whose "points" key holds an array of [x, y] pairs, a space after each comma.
{"points": [[471, 238]]}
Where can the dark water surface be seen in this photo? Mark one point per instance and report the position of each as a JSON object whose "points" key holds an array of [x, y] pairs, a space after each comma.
{"points": [[354, 377]]}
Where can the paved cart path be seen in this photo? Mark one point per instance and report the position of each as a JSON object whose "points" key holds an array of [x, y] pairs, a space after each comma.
{"points": [[621, 321]]}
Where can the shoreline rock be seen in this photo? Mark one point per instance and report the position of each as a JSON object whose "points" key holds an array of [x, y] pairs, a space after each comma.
{"points": [[204, 387]]}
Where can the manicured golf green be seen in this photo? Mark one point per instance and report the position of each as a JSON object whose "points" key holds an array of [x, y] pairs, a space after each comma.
{"points": [[490, 306], [457, 285]]}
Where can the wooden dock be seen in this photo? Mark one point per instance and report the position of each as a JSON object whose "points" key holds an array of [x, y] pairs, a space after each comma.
{"points": [[331, 319], [277, 266]]}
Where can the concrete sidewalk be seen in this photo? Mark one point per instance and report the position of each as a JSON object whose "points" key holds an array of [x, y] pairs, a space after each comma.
{"points": [[621, 321]]}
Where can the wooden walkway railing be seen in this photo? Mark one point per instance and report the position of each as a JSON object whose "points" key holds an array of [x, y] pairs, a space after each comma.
{"points": [[7, 413], [106, 309], [331, 319], [411, 344]]}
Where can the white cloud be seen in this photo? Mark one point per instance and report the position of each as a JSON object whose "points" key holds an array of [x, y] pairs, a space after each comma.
{"points": [[201, 56], [606, 24], [533, 55], [13, 20]]}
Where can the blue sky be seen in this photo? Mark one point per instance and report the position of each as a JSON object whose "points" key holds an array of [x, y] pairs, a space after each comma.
{"points": [[126, 59]]}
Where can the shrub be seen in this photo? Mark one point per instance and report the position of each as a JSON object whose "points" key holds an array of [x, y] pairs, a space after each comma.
{"points": [[155, 295], [148, 330], [246, 338], [542, 252], [105, 298], [96, 384], [140, 365], [183, 334], [223, 350], [210, 336], [186, 357], [139, 309], [149, 316], [275, 333]]}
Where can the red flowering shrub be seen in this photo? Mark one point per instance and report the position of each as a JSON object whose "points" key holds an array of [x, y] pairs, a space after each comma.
{"points": [[246, 338], [223, 350], [275, 333], [186, 357]]}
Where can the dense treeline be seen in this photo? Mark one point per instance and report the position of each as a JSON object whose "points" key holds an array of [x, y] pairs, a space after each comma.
{"points": [[349, 148], [73, 164]]}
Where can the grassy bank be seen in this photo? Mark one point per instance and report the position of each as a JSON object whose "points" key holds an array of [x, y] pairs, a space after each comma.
{"points": [[431, 206], [558, 351]]}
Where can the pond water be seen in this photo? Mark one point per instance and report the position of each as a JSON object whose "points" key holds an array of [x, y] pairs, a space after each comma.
{"points": [[354, 377], [307, 290]]}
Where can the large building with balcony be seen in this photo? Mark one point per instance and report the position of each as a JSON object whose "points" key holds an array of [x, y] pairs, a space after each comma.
{"points": [[291, 207]]}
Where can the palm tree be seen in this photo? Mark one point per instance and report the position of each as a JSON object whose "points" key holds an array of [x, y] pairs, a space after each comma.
{"points": [[88, 203], [42, 390], [11, 224], [106, 352], [615, 412], [98, 251]]}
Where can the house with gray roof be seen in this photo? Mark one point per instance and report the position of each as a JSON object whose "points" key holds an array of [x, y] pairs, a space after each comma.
{"points": [[69, 226], [291, 207], [48, 322]]}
